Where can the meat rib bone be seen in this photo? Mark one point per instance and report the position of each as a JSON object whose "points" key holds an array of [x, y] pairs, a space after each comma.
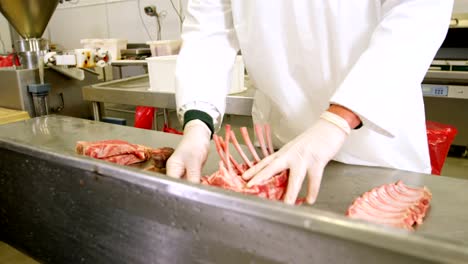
{"points": [[268, 137], [237, 166], [220, 148], [261, 139], [245, 135], [239, 150]]}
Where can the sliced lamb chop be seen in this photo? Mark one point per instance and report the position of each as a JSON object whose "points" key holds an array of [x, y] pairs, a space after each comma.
{"points": [[393, 204]]}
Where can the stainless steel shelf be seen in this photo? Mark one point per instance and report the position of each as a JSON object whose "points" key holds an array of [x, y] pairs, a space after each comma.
{"points": [[135, 91], [129, 63], [446, 77]]}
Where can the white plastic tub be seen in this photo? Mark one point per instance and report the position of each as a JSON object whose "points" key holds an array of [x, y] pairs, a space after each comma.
{"points": [[161, 72], [113, 46], [164, 47]]}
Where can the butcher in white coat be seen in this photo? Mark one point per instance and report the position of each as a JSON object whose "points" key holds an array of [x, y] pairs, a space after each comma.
{"points": [[337, 80]]}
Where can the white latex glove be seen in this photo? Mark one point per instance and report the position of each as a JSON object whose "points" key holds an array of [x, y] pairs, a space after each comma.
{"points": [[191, 153], [307, 154]]}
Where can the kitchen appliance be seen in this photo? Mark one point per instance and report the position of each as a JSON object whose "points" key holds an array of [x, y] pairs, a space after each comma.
{"points": [[23, 87]]}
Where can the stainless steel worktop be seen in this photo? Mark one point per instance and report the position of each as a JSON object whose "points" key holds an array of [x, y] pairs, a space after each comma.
{"points": [[136, 91], [105, 211]]}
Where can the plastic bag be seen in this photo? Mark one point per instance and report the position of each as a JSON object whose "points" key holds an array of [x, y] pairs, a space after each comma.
{"points": [[9, 61], [440, 137], [144, 117], [168, 129]]}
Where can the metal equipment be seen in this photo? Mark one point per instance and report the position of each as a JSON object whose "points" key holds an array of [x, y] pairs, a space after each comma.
{"points": [[29, 18], [39, 94], [446, 83], [23, 87], [59, 207], [136, 91], [135, 54]]}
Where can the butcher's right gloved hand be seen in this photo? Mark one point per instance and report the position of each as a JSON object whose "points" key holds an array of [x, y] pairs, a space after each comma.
{"points": [[191, 153], [305, 156]]}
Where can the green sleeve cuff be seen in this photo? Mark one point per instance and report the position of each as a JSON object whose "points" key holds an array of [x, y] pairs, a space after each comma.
{"points": [[199, 115]]}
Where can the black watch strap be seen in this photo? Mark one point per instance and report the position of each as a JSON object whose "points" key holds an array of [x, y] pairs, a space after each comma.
{"points": [[358, 126], [199, 115]]}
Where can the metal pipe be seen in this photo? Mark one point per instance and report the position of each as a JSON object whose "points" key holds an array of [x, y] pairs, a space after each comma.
{"points": [[96, 111]]}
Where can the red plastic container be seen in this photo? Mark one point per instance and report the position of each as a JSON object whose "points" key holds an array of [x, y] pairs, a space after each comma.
{"points": [[144, 117], [171, 130], [9, 61], [440, 137]]}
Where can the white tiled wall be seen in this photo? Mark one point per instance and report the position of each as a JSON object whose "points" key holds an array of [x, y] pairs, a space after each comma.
{"points": [[5, 43], [68, 26], [112, 19], [461, 6], [116, 19], [105, 19]]}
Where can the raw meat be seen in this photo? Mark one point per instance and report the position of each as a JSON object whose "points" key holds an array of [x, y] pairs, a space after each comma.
{"points": [[229, 174], [110, 148], [123, 152], [124, 159], [160, 156], [159, 159], [392, 204]]}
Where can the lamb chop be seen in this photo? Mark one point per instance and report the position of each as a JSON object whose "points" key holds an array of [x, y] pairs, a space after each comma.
{"points": [[393, 204], [229, 174]]}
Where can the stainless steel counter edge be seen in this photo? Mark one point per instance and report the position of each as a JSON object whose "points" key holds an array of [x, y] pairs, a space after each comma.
{"points": [[454, 77], [139, 94], [312, 219]]}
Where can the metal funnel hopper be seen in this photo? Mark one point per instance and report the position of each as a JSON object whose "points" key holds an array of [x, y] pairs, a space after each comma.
{"points": [[28, 17]]}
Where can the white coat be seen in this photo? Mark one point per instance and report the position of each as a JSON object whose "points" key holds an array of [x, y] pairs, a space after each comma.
{"points": [[367, 55]]}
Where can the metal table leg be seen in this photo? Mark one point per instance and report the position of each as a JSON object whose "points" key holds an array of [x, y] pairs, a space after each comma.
{"points": [[96, 111], [166, 117], [155, 120]]}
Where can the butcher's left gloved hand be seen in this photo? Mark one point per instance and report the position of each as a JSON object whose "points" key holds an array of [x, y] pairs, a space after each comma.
{"points": [[191, 153], [307, 154]]}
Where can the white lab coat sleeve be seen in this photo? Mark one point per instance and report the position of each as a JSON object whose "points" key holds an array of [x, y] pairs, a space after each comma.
{"points": [[397, 58], [206, 59]]}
